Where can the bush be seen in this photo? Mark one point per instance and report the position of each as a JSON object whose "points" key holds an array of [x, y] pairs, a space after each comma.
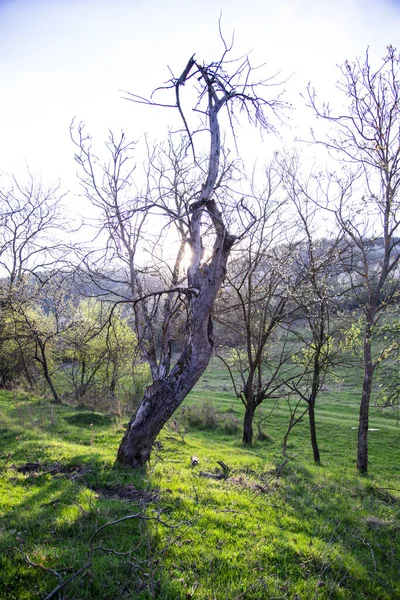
{"points": [[202, 416], [229, 423]]}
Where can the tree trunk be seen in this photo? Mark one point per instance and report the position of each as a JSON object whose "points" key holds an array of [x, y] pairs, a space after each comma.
{"points": [[53, 390], [313, 431], [165, 395], [28, 376], [248, 423], [362, 454], [284, 443], [113, 382], [162, 399], [42, 359]]}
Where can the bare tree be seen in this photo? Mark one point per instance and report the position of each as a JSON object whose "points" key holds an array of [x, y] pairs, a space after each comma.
{"points": [[366, 137], [318, 260], [31, 218], [257, 305], [133, 267], [201, 211], [31, 254]]}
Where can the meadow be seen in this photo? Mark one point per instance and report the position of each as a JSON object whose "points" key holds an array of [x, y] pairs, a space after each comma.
{"points": [[245, 522]]}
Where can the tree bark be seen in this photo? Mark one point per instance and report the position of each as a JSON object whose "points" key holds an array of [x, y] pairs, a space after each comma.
{"points": [[163, 397], [313, 431], [362, 450], [42, 359], [50, 383], [248, 423]]}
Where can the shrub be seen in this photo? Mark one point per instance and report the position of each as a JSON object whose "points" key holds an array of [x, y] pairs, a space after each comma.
{"points": [[202, 416], [229, 423]]}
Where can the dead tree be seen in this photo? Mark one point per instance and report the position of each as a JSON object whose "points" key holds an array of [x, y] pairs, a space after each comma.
{"points": [[200, 215]]}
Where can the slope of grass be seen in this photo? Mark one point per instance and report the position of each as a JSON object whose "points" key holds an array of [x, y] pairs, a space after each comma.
{"points": [[264, 528]]}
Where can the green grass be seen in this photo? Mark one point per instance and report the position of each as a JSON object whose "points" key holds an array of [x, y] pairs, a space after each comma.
{"points": [[300, 532]]}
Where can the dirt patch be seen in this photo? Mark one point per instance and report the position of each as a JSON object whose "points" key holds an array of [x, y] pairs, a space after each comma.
{"points": [[127, 492], [36, 468], [244, 482]]}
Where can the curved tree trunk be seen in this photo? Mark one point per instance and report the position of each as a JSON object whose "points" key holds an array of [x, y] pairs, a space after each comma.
{"points": [[165, 395], [204, 276], [160, 402]]}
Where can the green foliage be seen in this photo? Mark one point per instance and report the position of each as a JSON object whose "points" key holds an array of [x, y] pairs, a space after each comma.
{"points": [[352, 340], [15, 346], [20, 329], [141, 378], [304, 357], [99, 348]]}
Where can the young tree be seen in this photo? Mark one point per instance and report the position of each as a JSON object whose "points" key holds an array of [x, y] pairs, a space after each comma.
{"points": [[31, 252], [99, 346], [257, 302], [366, 137], [44, 314], [317, 259], [17, 365], [202, 217]]}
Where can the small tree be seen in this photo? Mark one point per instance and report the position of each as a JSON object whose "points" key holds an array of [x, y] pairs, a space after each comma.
{"points": [[43, 315], [315, 299], [366, 137], [17, 366], [31, 254], [99, 346], [257, 305]]}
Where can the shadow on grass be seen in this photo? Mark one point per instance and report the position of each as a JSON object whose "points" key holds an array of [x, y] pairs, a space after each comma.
{"points": [[348, 540], [307, 533], [55, 494], [50, 520], [310, 532]]}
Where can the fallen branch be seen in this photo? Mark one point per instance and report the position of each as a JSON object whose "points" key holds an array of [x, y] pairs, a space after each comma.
{"points": [[225, 472], [225, 467]]}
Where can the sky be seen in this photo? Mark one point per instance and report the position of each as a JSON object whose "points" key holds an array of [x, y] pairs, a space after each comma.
{"points": [[61, 59]]}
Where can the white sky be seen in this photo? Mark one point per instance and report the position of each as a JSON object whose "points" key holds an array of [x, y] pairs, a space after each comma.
{"points": [[66, 58]]}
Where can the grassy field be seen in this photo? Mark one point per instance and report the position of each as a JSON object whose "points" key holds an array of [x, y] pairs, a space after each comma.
{"points": [[263, 528]]}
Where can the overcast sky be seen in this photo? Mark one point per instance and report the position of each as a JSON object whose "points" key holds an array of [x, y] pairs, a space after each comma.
{"points": [[65, 58]]}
